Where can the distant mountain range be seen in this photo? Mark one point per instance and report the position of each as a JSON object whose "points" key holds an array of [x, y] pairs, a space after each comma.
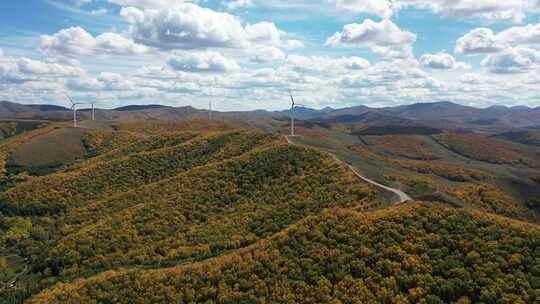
{"points": [[11, 109], [445, 111], [140, 107], [444, 115]]}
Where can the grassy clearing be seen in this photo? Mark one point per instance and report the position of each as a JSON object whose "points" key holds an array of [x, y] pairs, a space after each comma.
{"points": [[59, 146]]}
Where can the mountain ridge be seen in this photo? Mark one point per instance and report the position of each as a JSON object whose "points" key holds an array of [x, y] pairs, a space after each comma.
{"points": [[436, 112]]}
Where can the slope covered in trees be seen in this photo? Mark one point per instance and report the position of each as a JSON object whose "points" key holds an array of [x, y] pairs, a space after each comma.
{"points": [[449, 171], [166, 199], [531, 137], [409, 146], [418, 253], [492, 150], [11, 128], [8, 146], [52, 148], [204, 212], [53, 193]]}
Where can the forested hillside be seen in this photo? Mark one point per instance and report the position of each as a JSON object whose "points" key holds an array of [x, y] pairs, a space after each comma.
{"points": [[419, 253], [165, 199], [482, 148], [161, 212], [53, 193], [9, 128]]}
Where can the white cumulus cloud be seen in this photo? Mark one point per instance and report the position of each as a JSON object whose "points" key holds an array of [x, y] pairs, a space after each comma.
{"points": [[511, 10], [235, 4], [442, 61], [521, 35], [19, 70], [327, 65], [512, 60], [514, 50], [479, 41], [380, 8], [189, 26], [207, 61], [75, 41], [384, 38], [514, 10], [266, 54]]}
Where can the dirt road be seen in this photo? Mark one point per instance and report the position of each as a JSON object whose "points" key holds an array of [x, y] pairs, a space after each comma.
{"points": [[401, 198]]}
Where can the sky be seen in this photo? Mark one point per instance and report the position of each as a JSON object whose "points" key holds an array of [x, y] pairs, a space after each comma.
{"points": [[247, 54]]}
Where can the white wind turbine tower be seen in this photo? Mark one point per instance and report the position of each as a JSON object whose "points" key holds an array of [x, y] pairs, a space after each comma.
{"points": [[93, 112], [74, 108], [211, 94], [93, 103], [210, 109]]}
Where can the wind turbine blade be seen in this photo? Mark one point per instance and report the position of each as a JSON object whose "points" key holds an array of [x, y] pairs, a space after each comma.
{"points": [[71, 100], [292, 98]]}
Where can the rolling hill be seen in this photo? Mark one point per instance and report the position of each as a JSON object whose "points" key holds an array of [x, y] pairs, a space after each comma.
{"points": [[166, 199], [8, 109], [462, 169], [139, 107], [452, 112], [11, 109], [9, 128], [527, 137], [419, 253], [487, 149]]}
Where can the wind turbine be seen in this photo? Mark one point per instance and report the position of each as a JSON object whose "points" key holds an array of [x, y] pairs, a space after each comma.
{"points": [[74, 108], [293, 105], [210, 109], [93, 112], [93, 103], [211, 94]]}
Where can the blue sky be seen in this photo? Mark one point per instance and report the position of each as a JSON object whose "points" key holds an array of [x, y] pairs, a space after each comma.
{"points": [[245, 54]]}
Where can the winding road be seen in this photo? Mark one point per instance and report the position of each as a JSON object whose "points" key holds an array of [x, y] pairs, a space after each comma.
{"points": [[402, 197]]}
